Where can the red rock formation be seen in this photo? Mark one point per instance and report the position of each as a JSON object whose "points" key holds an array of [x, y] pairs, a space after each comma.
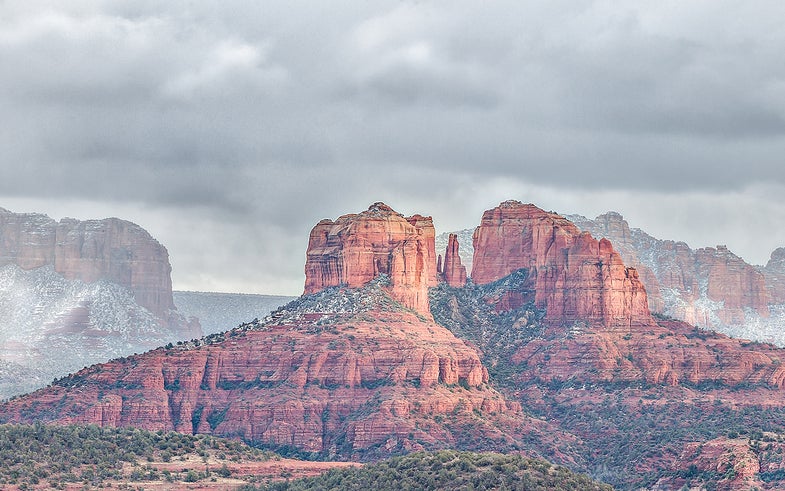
{"points": [[355, 249], [733, 282], [574, 276], [738, 463], [110, 249], [665, 353], [614, 227], [453, 272], [303, 383], [713, 274], [709, 287]]}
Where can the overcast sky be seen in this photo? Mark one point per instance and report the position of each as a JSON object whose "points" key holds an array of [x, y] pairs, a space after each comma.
{"points": [[228, 129]]}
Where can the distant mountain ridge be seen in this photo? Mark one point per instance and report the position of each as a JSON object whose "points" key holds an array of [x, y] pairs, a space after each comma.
{"points": [[709, 287], [109, 249], [223, 311]]}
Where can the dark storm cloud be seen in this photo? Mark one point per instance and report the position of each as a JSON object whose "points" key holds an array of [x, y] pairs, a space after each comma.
{"points": [[175, 87], [281, 113]]}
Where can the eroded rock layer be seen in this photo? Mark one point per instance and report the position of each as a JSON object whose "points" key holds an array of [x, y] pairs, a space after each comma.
{"points": [[376, 381], [709, 287]]}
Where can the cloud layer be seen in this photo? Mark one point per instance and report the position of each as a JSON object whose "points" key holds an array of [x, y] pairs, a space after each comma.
{"points": [[229, 129]]}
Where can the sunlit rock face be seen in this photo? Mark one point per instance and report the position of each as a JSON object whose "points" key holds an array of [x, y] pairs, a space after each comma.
{"points": [[356, 248], [574, 276]]}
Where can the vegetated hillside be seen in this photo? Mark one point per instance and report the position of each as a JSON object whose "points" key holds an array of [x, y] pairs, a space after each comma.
{"points": [[636, 427], [447, 469], [471, 314], [219, 312], [53, 457]]}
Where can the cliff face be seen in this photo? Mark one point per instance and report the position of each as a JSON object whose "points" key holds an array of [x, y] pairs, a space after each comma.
{"points": [[733, 282], [356, 380], [110, 249], [709, 287], [74, 293], [345, 371], [355, 249], [574, 276]]}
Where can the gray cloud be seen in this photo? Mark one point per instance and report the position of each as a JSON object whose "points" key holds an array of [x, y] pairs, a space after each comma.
{"points": [[250, 121]]}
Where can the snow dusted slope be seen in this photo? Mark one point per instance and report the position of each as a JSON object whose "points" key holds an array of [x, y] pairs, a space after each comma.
{"points": [[18, 379], [711, 287], [51, 326], [219, 312]]}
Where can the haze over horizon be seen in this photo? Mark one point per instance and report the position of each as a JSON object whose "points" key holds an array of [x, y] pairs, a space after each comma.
{"points": [[227, 131]]}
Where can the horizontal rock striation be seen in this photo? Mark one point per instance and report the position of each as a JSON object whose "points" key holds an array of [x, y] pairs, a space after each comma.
{"points": [[336, 384]]}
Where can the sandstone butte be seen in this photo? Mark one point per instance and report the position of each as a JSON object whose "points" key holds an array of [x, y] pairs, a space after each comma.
{"points": [[574, 276], [112, 249], [347, 371], [356, 248]]}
